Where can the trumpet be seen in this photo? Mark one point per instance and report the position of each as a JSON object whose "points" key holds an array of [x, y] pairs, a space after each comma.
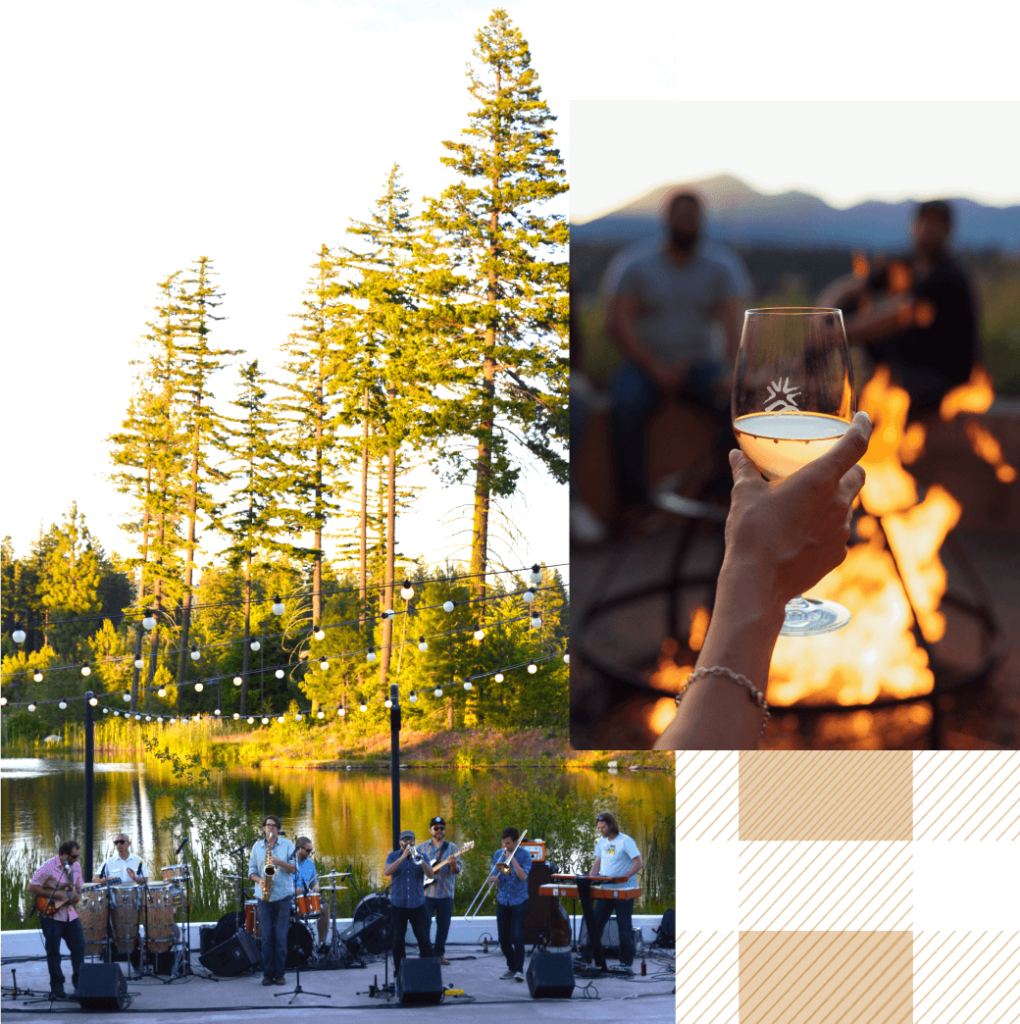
{"points": [[416, 857], [503, 867]]}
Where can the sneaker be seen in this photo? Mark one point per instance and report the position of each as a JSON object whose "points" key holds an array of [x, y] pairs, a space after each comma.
{"points": [[57, 993], [444, 961], [508, 976], [279, 980], [267, 981], [519, 976]]}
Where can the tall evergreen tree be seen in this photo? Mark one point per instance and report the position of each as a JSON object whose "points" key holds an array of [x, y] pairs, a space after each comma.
{"points": [[502, 298]]}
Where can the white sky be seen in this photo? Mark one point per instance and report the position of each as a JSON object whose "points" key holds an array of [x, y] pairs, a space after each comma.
{"points": [[844, 152], [139, 136]]}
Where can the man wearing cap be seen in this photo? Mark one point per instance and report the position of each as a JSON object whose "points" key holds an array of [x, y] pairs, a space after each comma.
{"points": [[439, 895], [407, 897]]}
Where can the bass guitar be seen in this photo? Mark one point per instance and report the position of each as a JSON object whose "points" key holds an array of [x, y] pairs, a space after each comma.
{"points": [[437, 864]]}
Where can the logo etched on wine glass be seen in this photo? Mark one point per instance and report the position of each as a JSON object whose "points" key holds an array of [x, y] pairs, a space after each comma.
{"points": [[781, 396]]}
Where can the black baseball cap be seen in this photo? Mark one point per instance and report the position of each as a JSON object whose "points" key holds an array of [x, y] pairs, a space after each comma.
{"points": [[436, 821]]}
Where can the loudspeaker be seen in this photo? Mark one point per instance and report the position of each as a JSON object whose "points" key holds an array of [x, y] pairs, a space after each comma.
{"points": [[207, 938], [610, 937], [101, 987], [420, 981], [666, 932], [372, 935], [232, 957], [550, 976]]}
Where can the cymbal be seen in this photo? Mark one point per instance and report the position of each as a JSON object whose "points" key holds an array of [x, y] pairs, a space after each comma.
{"points": [[234, 877], [336, 874]]}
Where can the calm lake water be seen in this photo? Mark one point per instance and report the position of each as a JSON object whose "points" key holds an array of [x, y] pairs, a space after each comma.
{"points": [[346, 813]]}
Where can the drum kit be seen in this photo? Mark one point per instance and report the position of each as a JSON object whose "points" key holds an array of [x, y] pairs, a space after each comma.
{"points": [[136, 921], [306, 911]]}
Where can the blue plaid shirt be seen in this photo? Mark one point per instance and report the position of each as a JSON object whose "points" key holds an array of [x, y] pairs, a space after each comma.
{"points": [[407, 885], [510, 890], [445, 881], [306, 875]]}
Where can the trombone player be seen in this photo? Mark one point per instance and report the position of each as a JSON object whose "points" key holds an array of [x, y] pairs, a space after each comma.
{"points": [[510, 868], [406, 871]]}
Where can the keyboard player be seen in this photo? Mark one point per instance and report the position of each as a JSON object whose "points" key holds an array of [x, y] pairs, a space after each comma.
{"points": [[616, 856]]}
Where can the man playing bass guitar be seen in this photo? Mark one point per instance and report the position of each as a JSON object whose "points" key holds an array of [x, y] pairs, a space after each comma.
{"points": [[57, 888]]}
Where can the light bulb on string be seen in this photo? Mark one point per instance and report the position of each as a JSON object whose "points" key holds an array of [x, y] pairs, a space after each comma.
{"points": [[387, 703], [161, 692], [238, 680], [195, 653], [265, 721], [297, 718], [282, 719], [528, 596], [319, 633], [532, 668], [406, 590], [148, 623], [199, 687], [116, 713], [86, 669], [31, 707], [236, 716], [468, 685], [106, 711], [536, 623], [62, 705], [341, 711], [536, 574], [94, 701], [138, 718], [37, 676], [479, 633], [255, 645], [217, 711], [278, 673], [323, 664], [422, 645], [389, 613], [499, 677], [437, 692], [127, 698], [3, 702], [448, 606], [148, 718], [371, 654], [251, 721], [566, 658], [278, 608], [18, 636], [413, 697], [139, 663], [364, 707], [198, 718], [321, 714]]}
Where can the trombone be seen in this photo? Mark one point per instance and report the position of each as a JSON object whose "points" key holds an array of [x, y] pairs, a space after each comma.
{"points": [[502, 868]]}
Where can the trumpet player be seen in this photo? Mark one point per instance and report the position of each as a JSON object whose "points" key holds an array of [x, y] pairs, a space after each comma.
{"points": [[510, 868], [271, 866], [406, 868]]}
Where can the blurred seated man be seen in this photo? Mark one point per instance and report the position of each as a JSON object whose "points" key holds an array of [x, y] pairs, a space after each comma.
{"points": [[661, 318], [916, 315]]}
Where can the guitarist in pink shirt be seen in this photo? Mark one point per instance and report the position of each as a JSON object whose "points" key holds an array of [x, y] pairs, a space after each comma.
{"points": [[57, 888]]}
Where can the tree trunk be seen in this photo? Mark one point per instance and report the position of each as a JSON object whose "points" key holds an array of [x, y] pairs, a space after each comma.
{"points": [[483, 484], [247, 634], [391, 520], [189, 564], [364, 518]]}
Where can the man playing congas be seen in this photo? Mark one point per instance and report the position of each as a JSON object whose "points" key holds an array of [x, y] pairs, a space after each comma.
{"points": [[307, 881], [123, 867]]}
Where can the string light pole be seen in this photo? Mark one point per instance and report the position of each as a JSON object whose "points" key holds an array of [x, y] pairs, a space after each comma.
{"points": [[395, 760], [90, 755]]}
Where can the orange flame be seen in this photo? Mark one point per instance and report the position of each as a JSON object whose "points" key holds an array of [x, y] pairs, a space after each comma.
{"points": [[986, 446], [974, 396]]}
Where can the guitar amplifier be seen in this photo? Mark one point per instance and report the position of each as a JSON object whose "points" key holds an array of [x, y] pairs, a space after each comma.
{"points": [[536, 847]]}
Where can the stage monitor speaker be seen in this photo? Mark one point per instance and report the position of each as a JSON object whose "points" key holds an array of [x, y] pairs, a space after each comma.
{"points": [[101, 987], [420, 981], [236, 955], [550, 976], [665, 934], [610, 936], [207, 938], [373, 935]]}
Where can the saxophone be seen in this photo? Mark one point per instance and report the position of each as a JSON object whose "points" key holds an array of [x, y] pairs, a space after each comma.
{"points": [[268, 871]]}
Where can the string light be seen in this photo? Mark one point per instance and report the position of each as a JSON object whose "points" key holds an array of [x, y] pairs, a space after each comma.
{"points": [[364, 706], [448, 606], [323, 664], [279, 673], [566, 658], [18, 636], [437, 692], [371, 654], [479, 633], [195, 653], [341, 711], [251, 721], [199, 687], [255, 645], [127, 697], [297, 718], [536, 574], [422, 645], [138, 718], [387, 703], [320, 633], [31, 707], [86, 670], [148, 623], [499, 677], [116, 714], [265, 721], [532, 668], [237, 716], [281, 719], [389, 613], [238, 680], [62, 705], [94, 701], [161, 692], [536, 623], [321, 714], [278, 608], [406, 591], [3, 702], [148, 718], [413, 698], [37, 676], [467, 684], [528, 596], [139, 663]]}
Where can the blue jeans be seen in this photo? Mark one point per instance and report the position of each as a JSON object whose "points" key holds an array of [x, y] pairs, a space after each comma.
{"points": [[510, 929], [71, 933], [441, 911], [603, 910], [274, 920], [418, 918], [634, 399]]}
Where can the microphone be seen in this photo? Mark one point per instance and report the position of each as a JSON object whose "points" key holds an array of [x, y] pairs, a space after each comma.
{"points": [[239, 850], [177, 852]]}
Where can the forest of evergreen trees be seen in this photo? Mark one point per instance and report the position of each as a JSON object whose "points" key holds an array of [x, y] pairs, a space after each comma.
{"points": [[439, 339]]}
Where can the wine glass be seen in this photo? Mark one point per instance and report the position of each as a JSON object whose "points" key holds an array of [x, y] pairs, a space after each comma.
{"points": [[793, 398]]}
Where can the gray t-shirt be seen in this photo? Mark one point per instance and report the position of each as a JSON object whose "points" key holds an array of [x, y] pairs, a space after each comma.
{"points": [[675, 304]]}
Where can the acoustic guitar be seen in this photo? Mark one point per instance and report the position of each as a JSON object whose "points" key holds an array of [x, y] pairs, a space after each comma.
{"points": [[48, 906]]}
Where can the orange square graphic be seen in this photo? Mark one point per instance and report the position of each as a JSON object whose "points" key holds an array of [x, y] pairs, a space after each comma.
{"points": [[809, 977], [826, 795]]}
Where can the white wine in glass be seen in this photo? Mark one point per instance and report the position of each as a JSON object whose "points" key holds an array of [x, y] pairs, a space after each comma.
{"points": [[793, 399]]}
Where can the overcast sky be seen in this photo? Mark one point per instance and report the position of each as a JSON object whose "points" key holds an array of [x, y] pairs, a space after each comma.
{"points": [[139, 136], [844, 152]]}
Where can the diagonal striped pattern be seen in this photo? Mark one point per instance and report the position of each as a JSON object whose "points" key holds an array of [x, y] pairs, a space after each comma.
{"points": [[967, 795], [706, 795], [849, 886], [966, 977], [707, 977]]}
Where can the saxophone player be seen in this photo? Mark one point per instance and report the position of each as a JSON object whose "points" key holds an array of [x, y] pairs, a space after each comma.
{"points": [[271, 866]]}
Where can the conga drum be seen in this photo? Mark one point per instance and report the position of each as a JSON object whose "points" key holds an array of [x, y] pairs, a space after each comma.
{"points": [[177, 875], [158, 911], [124, 914], [93, 913]]}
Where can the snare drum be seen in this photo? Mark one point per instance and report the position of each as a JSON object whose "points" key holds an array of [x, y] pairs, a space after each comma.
{"points": [[308, 905], [124, 914], [159, 908], [176, 873], [93, 913], [251, 918]]}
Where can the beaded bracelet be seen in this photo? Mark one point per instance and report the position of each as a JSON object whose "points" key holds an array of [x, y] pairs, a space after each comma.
{"points": [[755, 694]]}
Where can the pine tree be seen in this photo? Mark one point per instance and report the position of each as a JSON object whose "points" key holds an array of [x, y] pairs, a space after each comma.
{"points": [[501, 300]]}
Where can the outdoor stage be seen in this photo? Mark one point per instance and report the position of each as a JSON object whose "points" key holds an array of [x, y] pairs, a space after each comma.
{"points": [[472, 969]]}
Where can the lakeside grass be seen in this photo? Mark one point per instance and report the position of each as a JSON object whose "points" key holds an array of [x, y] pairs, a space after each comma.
{"points": [[330, 746]]}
